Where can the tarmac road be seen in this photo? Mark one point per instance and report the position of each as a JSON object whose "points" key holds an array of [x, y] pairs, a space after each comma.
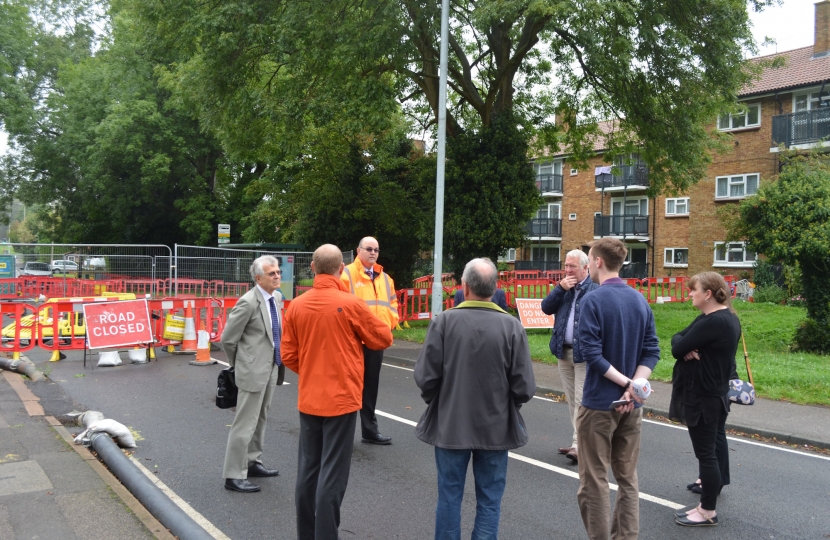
{"points": [[776, 493]]}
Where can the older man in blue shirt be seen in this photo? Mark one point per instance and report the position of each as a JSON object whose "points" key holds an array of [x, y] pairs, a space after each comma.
{"points": [[564, 301]]}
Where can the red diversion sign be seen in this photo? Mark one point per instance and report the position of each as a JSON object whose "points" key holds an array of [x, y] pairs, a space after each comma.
{"points": [[117, 324], [531, 315]]}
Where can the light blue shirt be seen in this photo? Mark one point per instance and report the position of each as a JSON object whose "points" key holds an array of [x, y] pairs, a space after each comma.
{"points": [[265, 297]]}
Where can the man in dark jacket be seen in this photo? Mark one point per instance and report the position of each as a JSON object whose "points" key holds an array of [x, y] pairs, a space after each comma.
{"points": [[563, 301], [474, 372]]}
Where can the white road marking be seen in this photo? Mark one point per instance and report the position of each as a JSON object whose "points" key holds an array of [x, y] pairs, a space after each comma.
{"points": [[196, 516], [548, 466], [664, 424]]}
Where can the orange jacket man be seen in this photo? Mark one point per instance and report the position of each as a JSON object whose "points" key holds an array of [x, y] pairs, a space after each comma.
{"points": [[366, 279], [323, 331]]}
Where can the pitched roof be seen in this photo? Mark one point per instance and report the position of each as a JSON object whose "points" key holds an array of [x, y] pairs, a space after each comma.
{"points": [[800, 69]]}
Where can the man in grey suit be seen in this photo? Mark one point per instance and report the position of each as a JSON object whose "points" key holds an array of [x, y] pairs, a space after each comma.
{"points": [[251, 340]]}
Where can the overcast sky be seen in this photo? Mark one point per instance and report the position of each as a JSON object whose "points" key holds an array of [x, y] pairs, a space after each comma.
{"points": [[791, 25]]}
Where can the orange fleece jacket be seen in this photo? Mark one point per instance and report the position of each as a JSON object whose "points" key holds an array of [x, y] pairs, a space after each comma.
{"points": [[323, 333]]}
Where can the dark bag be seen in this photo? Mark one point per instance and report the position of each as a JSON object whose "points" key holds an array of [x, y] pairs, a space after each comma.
{"points": [[226, 389]]}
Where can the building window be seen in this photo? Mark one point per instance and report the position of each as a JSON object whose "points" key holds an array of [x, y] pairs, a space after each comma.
{"points": [[750, 117], [508, 256], [544, 253], [809, 101], [733, 187], [677, 207], [733, 254], [631, 206], [574, 172], [676, 257], [549, 211]]}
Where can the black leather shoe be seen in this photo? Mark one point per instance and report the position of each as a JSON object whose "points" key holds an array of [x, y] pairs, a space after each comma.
{"points": [[378, 439], [241, 485], [258, 470]]}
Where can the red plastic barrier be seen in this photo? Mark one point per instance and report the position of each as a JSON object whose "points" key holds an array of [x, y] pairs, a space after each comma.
{"points": [[193, 287], [415, 304], [669, 289], [14, 342], [730, 282], [11, 288], [141, 287], [531, 288]]}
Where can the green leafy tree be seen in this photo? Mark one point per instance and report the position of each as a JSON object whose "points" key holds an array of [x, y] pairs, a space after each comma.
{"points": [[103, 145], [345, 188], [489, 194], [661, 71], [789, 220]]}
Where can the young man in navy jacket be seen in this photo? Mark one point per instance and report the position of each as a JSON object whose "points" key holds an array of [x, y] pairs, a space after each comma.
{"points": [[618, 342]]}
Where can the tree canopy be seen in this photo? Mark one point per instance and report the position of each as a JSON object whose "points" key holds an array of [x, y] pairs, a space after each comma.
{"points": [[789, 220], [660, 70]]}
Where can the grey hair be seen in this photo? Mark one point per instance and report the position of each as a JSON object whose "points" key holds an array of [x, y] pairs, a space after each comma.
{"points": [[578, 254], [256, 267], [481, 276]]}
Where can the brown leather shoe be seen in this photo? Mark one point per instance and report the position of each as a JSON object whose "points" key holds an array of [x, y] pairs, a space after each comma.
{"points": [[572, 455], [565, 449]]}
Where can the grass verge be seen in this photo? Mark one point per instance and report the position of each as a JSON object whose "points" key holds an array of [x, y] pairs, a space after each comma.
{"points": [[779, 373]]}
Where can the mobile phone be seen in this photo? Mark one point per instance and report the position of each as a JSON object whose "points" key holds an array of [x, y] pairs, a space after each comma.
{"points": [[618, 403]]}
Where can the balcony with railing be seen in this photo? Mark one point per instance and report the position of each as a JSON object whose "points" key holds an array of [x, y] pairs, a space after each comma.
{"points": [[544, 228], [634, 226], [630, 176], [549, 184], [805, 127]]}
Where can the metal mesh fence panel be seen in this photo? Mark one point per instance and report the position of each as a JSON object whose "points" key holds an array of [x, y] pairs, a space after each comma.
{"points": [[155, 270], [226, 272], [113, 267]]}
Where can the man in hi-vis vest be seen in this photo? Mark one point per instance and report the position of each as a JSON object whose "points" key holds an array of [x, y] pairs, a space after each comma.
{"points": [[367, 280]]}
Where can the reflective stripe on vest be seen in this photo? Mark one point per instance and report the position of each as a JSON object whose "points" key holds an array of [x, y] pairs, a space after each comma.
{"points": [[351, 284], [389, 295]]}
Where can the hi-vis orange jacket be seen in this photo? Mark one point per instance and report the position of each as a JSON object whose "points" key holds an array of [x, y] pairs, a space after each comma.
{"points": [[379, 294]]}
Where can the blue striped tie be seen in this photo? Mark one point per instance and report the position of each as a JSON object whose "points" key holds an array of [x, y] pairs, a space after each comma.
{"points": [[275, 327]]}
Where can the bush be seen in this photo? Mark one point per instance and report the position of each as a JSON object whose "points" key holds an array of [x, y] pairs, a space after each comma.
{"points": [[792, 276], [765, 274], [770, 293], [797, 301], [812, 337]]}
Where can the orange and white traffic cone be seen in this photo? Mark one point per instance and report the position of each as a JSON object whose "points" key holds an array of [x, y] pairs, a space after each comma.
{"points": [[203, 349], [189, 342]]}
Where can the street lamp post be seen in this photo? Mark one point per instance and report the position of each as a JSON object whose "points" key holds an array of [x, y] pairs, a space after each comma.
{"points": [[437, 285]]}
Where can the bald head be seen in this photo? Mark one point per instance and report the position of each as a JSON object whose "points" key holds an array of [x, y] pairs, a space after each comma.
{"points": [[480, 276], [327, 259], [367, 251]]}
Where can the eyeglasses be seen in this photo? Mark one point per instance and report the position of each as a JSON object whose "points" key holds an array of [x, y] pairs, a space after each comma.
{"points": [[275, 273], [371, 250]]}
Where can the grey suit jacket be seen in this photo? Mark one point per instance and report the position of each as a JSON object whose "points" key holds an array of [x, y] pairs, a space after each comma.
{"points": [[249, 342]]}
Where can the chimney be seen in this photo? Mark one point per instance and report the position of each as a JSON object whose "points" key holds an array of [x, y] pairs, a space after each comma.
{"points": [[821, 47]]}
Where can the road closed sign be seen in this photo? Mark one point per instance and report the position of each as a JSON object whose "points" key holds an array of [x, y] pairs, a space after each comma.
{"points": [[117, 324], [531, 315]]}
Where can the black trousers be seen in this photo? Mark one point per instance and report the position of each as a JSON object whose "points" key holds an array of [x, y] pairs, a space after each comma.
{"points": [[323, 466], [705, 443], [371, 379]]}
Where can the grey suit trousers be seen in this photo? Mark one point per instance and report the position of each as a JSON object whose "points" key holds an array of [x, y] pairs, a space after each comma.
{"points": [[248, 429]]}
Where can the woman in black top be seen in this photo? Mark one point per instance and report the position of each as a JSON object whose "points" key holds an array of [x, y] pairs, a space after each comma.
{"points": [[705, 354]]}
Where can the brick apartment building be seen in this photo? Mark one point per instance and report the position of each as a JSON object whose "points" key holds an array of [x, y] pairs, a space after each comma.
{"points": [[681, 236]]}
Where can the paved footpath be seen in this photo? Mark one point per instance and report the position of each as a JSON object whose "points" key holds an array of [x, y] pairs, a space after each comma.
{"points": [[51, 488], [786, 422]]}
